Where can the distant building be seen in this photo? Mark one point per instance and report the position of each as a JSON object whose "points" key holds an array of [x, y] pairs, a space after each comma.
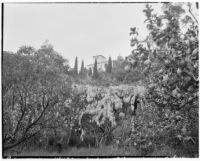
{"points": [[101, 63]]}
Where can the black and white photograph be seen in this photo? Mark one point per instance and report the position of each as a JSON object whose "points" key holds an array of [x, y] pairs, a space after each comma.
{"points": [[100, 79]]}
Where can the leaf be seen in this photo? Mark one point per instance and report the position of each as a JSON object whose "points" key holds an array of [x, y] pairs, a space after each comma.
{"points": [[195, 51], [133, 31], [172, 41]]}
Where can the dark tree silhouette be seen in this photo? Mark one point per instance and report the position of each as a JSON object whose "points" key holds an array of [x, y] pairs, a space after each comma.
{"points": [[90, 72], [95, 71], [83, 70], [109, 66], [76, 66]]}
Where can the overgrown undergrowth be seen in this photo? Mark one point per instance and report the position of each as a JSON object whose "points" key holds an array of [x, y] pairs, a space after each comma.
{"points": [[110, 150]]}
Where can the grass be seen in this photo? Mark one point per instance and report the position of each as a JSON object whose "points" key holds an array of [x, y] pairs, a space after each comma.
{"points": [[72, 151], [163, 151]]}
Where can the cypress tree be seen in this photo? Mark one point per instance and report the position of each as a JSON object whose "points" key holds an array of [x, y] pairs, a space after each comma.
{"points": [[76, 66], [95, 72], [90, 72], [109, 66], [82, 68], [83, 71]]}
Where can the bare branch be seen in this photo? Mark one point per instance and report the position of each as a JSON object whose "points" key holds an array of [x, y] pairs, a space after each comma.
{"points": [[20, 141], [19, 122], [184, 104], [40, 116], [193, 15], [190, 74], [21, 117]]}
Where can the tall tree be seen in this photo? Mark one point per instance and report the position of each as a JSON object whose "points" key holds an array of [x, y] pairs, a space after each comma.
{"points": [[82, 67], [34, 90], [95, 71], [90, 72], [28, 50], [118, 71], [76, 66], [170, 65], [109, 66], [83, 70]]}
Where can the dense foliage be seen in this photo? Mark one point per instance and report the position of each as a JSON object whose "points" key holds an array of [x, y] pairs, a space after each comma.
{"points": [[103, 109], [146, 101], [34, 89], [169, 59]]}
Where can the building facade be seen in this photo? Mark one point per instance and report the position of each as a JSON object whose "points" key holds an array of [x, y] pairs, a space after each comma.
{"points": [[101, 63]]}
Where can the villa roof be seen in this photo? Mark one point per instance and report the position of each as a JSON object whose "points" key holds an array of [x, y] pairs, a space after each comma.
{"points": [[99, 56], [97, 63]]}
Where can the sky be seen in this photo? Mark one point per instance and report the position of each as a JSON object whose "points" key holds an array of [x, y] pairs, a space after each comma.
{"points": [[82, 30]]}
